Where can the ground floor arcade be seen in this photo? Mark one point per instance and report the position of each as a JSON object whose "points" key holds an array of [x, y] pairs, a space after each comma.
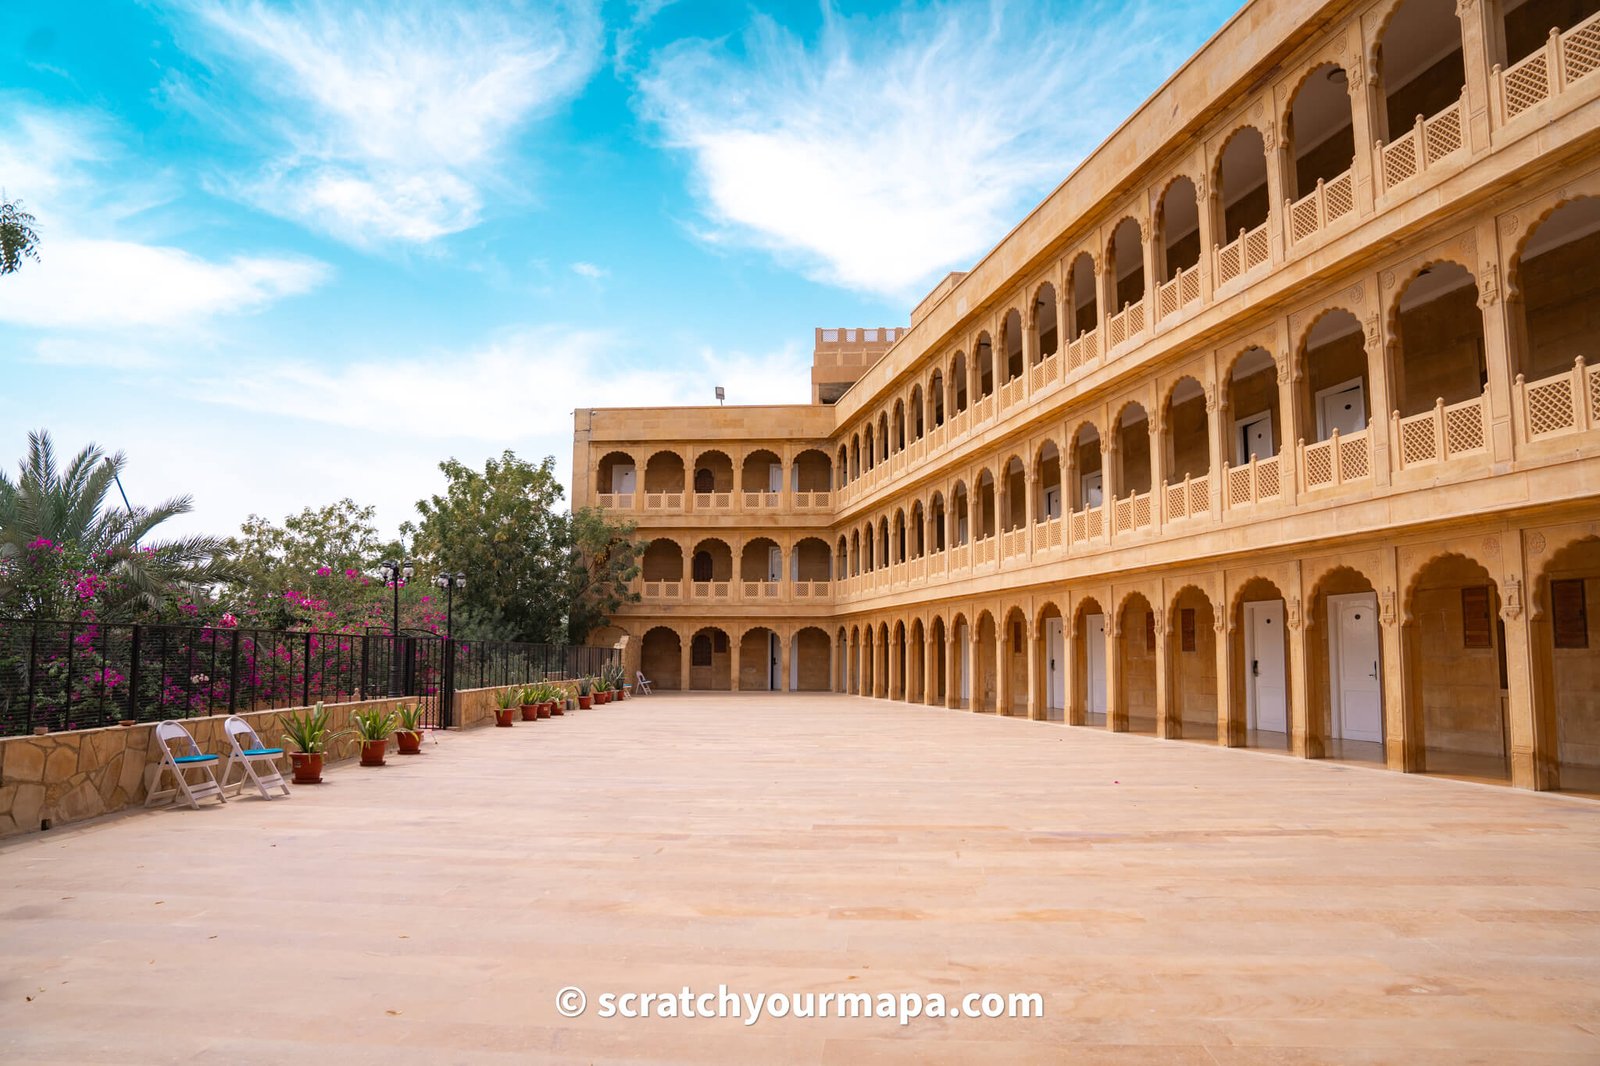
{"points": [[1473, 655]]}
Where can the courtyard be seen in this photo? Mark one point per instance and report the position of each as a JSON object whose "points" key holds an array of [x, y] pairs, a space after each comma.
{"points": [[1170, 902]]}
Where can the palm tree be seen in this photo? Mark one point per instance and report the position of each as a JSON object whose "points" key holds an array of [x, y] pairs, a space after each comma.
{"points": [[17, 239], [69, 507]]}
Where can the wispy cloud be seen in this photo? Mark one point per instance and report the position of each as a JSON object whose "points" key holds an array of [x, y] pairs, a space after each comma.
{"points": [[73, 173], [477, 394], [893, 149], [590, 271], [386, 123]]}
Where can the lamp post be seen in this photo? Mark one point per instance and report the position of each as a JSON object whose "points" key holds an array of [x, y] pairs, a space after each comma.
{"points": [[450, 582], [394, 572]]}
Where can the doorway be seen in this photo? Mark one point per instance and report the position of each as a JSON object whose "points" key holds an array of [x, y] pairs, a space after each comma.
{"points": [[1355, 678], [1094, 650], [1266, 679], [1253, 436], [1093, 486], [1342, 407], [1055, 660]]}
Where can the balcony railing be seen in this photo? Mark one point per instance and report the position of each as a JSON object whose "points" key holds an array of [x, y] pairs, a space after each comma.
{"points": [[756, 591], [812, 590], [1173, 296], [663, 501], [1047, 535], [713, 501], [1427, 144], [1248, 485], [615, 501], [983, 410], [1012, 392], [662, 591], [1565, 58], [763, 501], [1088, 524], [1252, 248], [1189, 498], [1332, 462], [1563, 403], [1132, 512], [1125, 324], [1084, 350], [1045, 372], [1327, 203], [1014, 542], [715, 591], [983, 551], [1441, 432], [812, 501]]}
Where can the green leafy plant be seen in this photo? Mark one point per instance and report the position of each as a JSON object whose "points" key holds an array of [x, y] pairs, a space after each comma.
{"points": [[613, 674], [376, 724], [585, 686], [409, 718], [508, 698], [308, 731]]}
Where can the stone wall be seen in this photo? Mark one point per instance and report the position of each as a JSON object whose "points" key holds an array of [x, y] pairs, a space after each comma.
{"points": [[60, 778]]}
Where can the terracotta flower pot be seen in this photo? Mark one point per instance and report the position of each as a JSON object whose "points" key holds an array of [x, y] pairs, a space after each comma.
{"points": [[585, 702], [372, 752], [410, 742], [504, 717], [307, 767], [530, 712], [546, 707], [622, 694]]}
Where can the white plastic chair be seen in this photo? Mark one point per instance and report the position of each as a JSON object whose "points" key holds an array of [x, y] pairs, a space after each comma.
{"points": [[248, 753], [191, 758], [643, 686]]}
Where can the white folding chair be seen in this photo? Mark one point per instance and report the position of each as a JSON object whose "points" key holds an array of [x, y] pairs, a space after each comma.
{"points": [[188, 757], [643, 685], [248, 753]]}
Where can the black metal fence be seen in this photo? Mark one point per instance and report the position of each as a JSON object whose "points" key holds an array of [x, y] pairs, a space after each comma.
{"points": [[79, 675]]}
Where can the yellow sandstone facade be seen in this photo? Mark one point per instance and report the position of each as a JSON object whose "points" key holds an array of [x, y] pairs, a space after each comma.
{"points": [[1275, 424]]}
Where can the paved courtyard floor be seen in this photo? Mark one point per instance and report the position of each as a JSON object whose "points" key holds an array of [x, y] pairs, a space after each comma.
{"points": [[1172, 903]]}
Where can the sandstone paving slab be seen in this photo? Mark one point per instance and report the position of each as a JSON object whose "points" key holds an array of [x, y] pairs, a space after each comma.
{"points": [[1171, 903]]}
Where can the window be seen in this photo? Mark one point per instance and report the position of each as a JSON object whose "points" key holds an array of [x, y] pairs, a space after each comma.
{"points": [[702, 566], [1475, 631], [1569, 614], [704, 481]]}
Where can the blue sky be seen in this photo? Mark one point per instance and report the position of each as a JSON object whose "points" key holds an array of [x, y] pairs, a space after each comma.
{"points": [[300, 251]]}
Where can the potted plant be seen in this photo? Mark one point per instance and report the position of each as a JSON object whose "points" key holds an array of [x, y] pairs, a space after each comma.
{"points": [[602, 694], [615, 677], [372, 729], [551, 700], [530, 698], [585, 693], [408, 729], [506, 702], [308, 731]]}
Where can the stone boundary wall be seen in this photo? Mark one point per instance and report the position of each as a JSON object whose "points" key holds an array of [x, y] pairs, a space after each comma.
{"points": [[66, 777]]}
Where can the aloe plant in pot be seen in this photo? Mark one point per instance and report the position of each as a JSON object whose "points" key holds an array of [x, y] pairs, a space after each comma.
{"points": [[408, 729], [373, 729], [506, 703], [585, 693], [530, 698], [308, 731]]}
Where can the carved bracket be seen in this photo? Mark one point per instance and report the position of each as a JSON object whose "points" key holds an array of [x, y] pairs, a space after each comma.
{"points": [[1511, 609]]}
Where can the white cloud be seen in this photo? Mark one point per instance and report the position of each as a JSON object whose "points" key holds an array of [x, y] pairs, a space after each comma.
{"points": [[895, 149], [73, 173], [590, 271], [387, 121], [86, 284]]}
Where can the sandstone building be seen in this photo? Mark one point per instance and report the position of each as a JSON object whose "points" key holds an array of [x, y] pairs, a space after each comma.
{"points": [[1276, 424]]}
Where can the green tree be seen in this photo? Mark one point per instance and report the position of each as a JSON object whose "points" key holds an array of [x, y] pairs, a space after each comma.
{"points": [[534, 572], [50, 506], [18, 241]]}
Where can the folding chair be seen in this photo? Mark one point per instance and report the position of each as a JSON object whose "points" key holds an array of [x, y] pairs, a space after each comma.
{"points": [[643, 686], [192, 758], [248, 752]]}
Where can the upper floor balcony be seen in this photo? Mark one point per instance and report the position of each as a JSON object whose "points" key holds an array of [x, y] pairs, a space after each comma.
{"points": [[767, 483]]}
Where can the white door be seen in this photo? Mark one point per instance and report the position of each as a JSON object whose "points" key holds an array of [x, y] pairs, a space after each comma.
{"points": [[1255, 438], [961, 533], [1094, 650], [966, 662], [774, 659], [775, 477], [1093, 489], [1266, 685], [1052, 503], [775, 564], [622, 480], [1054, 664], [1343, 407], [1357, 695]]}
